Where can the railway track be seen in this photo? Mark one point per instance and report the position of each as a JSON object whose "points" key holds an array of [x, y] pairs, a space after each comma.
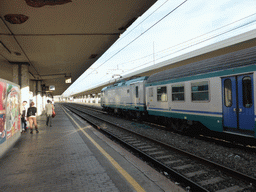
{"points": [[194, 173], [207, 138]]}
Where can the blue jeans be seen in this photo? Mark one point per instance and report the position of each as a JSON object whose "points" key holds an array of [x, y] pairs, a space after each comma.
{"points": [[49, 120], [24, 123]]}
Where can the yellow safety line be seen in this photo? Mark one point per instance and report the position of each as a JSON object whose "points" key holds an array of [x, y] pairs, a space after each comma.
{"points": [[126, 175]]}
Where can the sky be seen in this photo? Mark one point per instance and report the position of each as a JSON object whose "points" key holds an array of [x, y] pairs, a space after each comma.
{"points": [[168, 29]]}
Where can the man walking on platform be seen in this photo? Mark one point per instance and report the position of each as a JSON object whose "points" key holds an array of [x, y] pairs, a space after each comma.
{"points": [[48, 109]]}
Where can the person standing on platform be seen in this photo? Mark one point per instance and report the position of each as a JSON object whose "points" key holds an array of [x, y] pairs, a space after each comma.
{"points": [[31, 116], [48, 109], [23, 116]]}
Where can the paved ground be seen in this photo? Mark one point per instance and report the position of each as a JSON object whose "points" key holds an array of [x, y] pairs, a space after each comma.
{"points": [[63, 158]]}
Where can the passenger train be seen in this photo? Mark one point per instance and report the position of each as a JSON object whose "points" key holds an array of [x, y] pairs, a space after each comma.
{"points": [[216, 93]]}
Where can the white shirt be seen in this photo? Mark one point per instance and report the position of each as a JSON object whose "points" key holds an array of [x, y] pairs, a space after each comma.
{"points": [[48, 109]]}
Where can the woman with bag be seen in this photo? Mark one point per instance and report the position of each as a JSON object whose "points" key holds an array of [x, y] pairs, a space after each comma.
{"points": [[31, 117], [49, 108]]}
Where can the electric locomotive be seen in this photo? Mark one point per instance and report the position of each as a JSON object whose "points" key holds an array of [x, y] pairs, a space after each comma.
{"points": [[125, 97]]}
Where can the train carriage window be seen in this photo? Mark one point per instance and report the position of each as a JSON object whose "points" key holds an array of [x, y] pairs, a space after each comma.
{"points": [[137, 91], [228, 92], [200, 91], [150, 92], [178, 93], [162, 94], [247, 92]]}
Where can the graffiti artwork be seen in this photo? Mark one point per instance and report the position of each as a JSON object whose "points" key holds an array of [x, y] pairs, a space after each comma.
{"points": [[2, 111], [12, 110]]}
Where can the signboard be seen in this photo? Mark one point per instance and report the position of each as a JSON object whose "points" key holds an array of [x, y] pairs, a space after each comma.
{"points": [[51, 88], [68, 80]]}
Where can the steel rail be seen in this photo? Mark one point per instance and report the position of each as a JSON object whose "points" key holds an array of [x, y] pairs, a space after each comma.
{"points": [[208, 138], [227, 170], [182, 179]]}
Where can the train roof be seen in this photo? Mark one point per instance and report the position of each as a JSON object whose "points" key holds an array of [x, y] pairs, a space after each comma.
{"points": [[236, 59], [125, 83]]}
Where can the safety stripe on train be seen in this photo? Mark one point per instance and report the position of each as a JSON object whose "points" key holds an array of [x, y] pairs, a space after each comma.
{"points": [[187, 111]]}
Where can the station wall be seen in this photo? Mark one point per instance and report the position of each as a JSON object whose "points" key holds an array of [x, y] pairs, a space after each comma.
{"points": [[10, 121]]}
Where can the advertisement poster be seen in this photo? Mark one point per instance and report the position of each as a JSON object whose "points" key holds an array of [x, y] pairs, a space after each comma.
{"points": [[2, 112], [12, 110]]}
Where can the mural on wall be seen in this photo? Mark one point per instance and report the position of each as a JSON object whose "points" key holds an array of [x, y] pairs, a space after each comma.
{"points": [[12, 110], [2, 111]]}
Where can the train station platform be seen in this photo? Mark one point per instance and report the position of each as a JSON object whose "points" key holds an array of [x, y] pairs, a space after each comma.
{"points": [[73, 156]]}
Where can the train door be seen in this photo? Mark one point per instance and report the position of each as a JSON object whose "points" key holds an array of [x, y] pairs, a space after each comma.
{"points": [[133, 94], [136, 91], [238, 103]]}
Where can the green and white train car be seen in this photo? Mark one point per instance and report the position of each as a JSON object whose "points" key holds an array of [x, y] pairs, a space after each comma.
{"points": [[218, 92]]}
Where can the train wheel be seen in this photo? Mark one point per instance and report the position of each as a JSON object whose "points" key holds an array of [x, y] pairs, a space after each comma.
{"points": [[179, 125], [138, 116], [127, 115], [168, 123]]}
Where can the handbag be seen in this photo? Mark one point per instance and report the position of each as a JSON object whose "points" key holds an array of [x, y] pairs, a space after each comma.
{"points": [[53, 113]]}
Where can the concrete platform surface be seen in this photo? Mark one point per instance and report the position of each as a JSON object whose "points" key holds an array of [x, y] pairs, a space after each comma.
{"points": [[73, 156]]}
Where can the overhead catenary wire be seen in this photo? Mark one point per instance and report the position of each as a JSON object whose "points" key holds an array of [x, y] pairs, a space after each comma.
{"points": [[144, 32], [183, 44], [137, 37], [122, 37], [209, 38], [202, 41], [198, 37]]}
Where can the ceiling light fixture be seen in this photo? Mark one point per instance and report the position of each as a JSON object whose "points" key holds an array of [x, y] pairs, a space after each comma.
{"points": [[17, 53], [93, 56], [68, 79], [3, 45]]}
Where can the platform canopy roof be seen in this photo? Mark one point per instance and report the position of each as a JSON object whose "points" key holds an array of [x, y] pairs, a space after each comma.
{"points": [[59, 39]]}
